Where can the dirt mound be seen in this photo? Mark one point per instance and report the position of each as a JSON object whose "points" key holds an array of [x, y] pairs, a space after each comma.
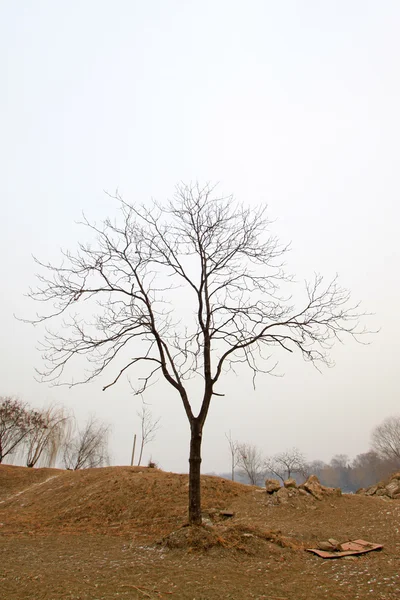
{"points": [[237, 537], [193, 538], [112, 500], [389, 488]]}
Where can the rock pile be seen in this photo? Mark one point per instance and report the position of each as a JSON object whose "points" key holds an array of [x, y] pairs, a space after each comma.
{"points": [[388, 489], [311, 489]]}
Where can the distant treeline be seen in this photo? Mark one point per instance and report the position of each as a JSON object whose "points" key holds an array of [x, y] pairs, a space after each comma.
{"points": [[363, 471], [349, 475], [250, 465]]}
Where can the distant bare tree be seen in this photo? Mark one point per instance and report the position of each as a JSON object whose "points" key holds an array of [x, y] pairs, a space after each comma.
{"points": [[316, 467], [340, 461], [251, 462], [231, 307], [234, 452], [148, 427], [285, 464], [386, 439], [45, 440], [88, 447], [16, 421]]}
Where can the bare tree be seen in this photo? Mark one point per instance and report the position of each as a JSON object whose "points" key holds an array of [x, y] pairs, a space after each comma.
{"points": [[148, 426], [234, 452], [251, 462], [229, 307], [285, 464], [45, 440], [16, 421], [88, 448], [386, 439], [316, 467]]}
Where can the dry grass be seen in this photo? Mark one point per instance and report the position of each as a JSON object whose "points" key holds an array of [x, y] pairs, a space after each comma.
{"points": [[14, 479]]}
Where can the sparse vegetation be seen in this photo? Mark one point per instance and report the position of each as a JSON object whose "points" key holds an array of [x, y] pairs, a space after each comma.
{"points": [[88, 446], [47, 438], [251, 463], [286, 464], [17, 421], [148, 428], [386, 439]]}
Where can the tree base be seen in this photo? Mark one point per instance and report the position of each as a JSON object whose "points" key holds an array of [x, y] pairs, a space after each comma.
{"points": [[242, 538]]}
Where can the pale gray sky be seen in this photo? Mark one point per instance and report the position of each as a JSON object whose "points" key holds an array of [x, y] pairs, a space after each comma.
{"points": [[295, 103]]}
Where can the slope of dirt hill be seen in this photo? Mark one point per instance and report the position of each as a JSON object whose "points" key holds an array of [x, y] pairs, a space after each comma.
{"points": [[15, 479], [112, 499], [115, 532]]}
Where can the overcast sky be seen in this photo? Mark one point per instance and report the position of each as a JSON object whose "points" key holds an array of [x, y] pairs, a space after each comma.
{"points": [[294, 103]]}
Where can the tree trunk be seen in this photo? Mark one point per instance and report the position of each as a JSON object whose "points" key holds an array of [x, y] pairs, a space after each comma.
{"points": [[194, 474]]}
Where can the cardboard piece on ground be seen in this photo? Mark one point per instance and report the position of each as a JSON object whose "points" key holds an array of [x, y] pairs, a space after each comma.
{"points": [[348, 549]]}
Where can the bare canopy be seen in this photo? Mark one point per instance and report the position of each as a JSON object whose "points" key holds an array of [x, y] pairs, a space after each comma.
{"points": [[386, 439], [232, 309], [148, 428], [287, 463], [88, 446]]}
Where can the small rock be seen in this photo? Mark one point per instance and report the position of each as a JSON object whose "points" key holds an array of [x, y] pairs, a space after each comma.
{"points": [[272, 485], [393, 488], [326, 546], [313, 487], [290, 483], [283, 495], [335, 544], [227, 514]]}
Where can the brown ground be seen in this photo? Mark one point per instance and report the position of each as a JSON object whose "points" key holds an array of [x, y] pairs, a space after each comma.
{"points": [[96, 534]]}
